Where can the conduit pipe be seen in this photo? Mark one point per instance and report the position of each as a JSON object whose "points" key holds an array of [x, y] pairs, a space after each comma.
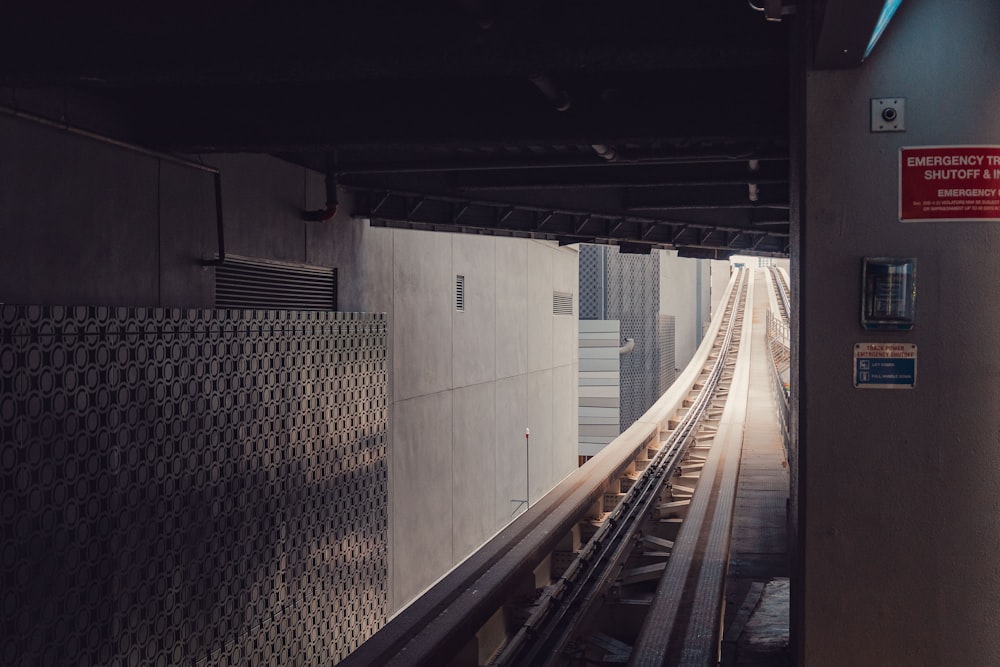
{"points": [[605, 151], [324, 214], [627, 347], [546, 86]]}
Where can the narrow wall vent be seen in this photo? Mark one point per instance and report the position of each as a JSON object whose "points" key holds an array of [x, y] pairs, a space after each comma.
{"points": [[562, 303], [244, 282], [460, 293]]}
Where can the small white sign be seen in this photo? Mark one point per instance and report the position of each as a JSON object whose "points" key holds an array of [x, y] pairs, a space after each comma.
{"points": [[885, 365]]}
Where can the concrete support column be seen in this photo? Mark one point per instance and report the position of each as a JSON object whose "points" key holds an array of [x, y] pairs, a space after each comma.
{"points": [[901, 492]]}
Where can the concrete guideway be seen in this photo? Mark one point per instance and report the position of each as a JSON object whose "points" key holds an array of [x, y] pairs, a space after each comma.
{"points": [[632, 535], [696, 574]]}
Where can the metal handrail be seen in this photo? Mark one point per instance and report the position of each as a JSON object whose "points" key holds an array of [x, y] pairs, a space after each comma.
{"points": [[778, 344]]}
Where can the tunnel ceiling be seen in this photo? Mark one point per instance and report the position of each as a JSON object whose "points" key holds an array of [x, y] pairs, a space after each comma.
{"points": [[649, 124]]}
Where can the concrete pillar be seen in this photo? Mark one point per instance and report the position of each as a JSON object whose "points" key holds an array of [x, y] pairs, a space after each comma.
{"points": [[900, 531]]}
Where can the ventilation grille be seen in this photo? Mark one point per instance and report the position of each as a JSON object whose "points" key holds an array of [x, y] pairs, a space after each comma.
{"points": [[562, 303], [459, 292], [241, 282]]}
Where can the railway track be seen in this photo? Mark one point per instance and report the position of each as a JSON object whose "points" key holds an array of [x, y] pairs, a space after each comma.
{"points": [[631, 544], [781, 291]]}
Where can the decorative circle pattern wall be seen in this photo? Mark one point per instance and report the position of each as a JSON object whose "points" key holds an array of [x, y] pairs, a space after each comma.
{"points": [[191, 487]]}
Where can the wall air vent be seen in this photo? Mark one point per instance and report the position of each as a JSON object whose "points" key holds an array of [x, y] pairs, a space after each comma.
{"points": [[562, 303], [460, 293], [244, 282]]}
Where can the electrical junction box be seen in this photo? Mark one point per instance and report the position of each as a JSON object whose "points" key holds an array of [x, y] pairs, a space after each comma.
{"points": [[888, 293]]}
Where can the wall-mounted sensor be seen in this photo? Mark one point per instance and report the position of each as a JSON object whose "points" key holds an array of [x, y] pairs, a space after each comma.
{"points": [[889, 114]]}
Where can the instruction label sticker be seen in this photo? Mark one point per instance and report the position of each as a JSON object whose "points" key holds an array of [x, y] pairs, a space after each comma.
{"points": [[885, 365], [949, 183]]}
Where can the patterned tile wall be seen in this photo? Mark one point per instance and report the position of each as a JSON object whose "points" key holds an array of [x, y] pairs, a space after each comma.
{"points": [[190, 487]]}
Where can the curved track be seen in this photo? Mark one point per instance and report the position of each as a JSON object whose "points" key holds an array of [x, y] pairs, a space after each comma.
{"points": [[625, 536]]}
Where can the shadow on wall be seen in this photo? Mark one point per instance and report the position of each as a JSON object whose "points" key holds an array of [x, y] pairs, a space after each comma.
{"points": [[185, 486]]}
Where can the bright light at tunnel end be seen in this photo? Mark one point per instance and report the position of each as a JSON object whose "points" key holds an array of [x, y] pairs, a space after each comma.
{"points": [[888, 10]]}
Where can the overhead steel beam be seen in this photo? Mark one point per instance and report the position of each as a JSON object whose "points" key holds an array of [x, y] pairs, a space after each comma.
{"points": [[614, 175], [722, 151], [436, 213], [716, 197]]}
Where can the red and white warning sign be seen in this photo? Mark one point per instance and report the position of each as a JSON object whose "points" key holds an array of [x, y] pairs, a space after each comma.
{"points": [[949, 183]]}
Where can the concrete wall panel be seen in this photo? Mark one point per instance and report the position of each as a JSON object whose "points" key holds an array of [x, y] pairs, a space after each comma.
{"points": [[564, 426], [539, 300], [512, 316], [565, 278], [423, 308], [475, 328], [473, 467], [78, 219], [422, 493], [679, 297], [264, 200], [542, 435], [720, 270], [188, 236], [511, 458]]}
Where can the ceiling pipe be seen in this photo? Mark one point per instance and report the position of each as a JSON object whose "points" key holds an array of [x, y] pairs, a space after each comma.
{"points": [[559, 98], [773, 9], [332, 201], [607, 152]]}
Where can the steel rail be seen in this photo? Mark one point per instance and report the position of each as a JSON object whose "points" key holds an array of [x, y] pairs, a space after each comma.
{"points": [[558, 613]]}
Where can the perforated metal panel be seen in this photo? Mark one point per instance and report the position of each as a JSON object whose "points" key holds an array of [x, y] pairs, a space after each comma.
{"points": [[593, 282], [666, 351], [634, 299], [190, 487]]}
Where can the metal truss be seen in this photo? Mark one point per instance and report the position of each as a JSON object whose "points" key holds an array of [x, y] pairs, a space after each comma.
{"points": [[409, 210]]}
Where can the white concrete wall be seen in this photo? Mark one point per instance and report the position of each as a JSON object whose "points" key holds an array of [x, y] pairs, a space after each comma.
{"points": [[467, 384], [900, 532], [679, 296], [720, 273]]}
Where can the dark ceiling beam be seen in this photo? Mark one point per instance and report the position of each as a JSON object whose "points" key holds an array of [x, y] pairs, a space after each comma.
{"points": [[437, 213], [559, 159], [629, 175], [715, 197]]}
